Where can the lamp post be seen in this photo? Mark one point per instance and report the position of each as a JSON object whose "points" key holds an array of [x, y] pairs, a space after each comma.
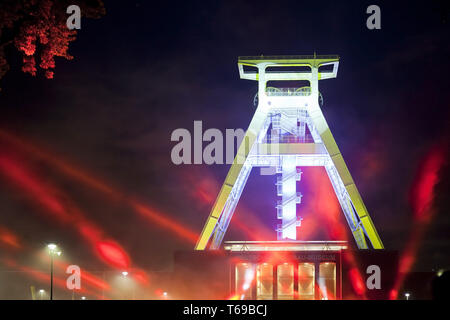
{"points": [[53, 250], [407, 296], [129, 282]]}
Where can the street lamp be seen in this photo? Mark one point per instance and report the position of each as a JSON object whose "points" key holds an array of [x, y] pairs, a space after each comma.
{"points": [[407, 296], [41, 293], [128, 283], [53, 250]]}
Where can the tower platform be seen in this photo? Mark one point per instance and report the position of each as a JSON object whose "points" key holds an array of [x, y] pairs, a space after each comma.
{"points": [[237, 246]]}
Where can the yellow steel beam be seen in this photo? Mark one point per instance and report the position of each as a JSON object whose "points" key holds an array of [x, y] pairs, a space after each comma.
{"points": [[336, 156], [247, 143], [314, 61]]}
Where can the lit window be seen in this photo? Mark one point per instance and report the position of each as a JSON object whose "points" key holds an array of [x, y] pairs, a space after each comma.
{"points": [[306, 279], [264, 283], [244, 278], [327, 280], [285, 274]]}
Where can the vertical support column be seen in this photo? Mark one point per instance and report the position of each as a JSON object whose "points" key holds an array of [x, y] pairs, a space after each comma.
{"points": [[275, 132], [254, 281], [316, 280], [262, 98], [275, 281], [301, 126], [339, 276], [289, 199], [232, 280], [295, 263]]}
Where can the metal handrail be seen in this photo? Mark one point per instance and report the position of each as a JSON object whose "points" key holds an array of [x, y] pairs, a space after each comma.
{"points": [[288, 92], [289, 139], [299, 57]]}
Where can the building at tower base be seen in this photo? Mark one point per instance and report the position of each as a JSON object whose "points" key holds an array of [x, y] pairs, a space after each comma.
{"points": [[288, 270]]}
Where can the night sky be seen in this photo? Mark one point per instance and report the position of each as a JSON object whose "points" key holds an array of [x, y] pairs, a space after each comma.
{"points": [[148, 68]]}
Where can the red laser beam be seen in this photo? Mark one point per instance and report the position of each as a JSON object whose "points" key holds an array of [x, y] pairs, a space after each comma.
{"points": [[204, 187], [9, 239], [421, 197], [422, 191], [141, 277], [114, 254], [162, 221], [59, 164], [108, 251], [150, 214], [86, 277], [357, 281], [43, 195], [322, 205]]}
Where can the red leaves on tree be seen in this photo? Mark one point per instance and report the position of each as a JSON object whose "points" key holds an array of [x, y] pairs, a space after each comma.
{"points": [[38, 30]]}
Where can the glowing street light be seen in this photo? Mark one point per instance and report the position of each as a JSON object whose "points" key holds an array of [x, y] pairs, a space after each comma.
{"points": [[128, 283], [53, 250], [83, 298], [407, 296], [41, 294]]}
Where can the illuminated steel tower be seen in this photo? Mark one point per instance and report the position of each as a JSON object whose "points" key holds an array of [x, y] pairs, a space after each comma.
{"points": [[288, 130]]}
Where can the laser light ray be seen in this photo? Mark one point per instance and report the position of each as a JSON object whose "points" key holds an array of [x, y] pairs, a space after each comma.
{"points": [[162, 221], [421, 197], [203, 191], [113, 253], [150, 214], [64, 211], [9, 239]]}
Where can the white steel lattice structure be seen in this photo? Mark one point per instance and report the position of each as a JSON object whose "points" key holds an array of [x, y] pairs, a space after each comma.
{"points": [[288, 130]]}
